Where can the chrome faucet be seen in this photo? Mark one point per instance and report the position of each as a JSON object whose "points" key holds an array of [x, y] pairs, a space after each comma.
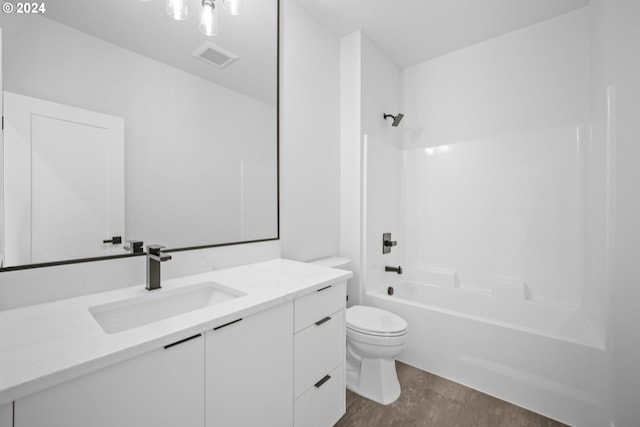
{"points": [[397, 269], [154, 257]]}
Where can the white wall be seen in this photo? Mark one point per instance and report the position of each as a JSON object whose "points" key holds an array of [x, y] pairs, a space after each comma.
{"points": [[384, 212], [184, 136], [616, 36], [530, 79], [382, 163], [351, 181], [500, 191], [599, 185], [370, 195], [20, 288], [309, 136], [500, 208], [381, 93]]}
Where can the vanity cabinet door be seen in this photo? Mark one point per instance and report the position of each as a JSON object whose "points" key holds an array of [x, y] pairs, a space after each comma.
{"points": [[164, 387], [6, 415], [249, 375]]}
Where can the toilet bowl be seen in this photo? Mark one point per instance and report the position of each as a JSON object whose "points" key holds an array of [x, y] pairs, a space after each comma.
{"points": [[374, 338]]}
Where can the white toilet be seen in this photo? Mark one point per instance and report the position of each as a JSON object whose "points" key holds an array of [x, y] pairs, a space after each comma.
{"points": [[374, 338]]}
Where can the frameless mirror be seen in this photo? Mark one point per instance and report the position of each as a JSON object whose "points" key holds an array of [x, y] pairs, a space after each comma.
{"points": [[122, 122]]}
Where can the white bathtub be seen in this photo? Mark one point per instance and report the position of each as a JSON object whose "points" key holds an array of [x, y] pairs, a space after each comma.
{"points": [[538, 356]]}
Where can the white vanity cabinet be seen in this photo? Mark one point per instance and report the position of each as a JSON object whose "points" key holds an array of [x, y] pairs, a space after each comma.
{"points": [[319, 357], [6, 415], [164, 387], [248, 370], [274, 358]]}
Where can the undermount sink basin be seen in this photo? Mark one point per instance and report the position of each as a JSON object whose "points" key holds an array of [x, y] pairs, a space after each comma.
{"points": [[133, 312]]}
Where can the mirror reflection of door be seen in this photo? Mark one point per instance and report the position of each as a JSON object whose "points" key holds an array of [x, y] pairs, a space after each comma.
{"points": [[63, 181]]}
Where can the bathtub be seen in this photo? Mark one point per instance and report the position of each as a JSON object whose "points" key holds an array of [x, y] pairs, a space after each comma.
{"points": [[539, 356]]}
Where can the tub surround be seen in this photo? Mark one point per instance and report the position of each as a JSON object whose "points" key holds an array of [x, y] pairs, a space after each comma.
{"points": [[47, 344]]}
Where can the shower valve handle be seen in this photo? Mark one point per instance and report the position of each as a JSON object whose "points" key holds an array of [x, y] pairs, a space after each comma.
{"points": [[387, 243]]}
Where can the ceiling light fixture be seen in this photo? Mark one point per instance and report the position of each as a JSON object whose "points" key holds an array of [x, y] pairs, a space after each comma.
{"points": [[177, 9], [232, 6], [209, 18]]}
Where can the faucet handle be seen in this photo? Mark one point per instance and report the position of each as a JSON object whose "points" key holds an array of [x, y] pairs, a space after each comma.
{"points": [[134, 246], [154, 249]]}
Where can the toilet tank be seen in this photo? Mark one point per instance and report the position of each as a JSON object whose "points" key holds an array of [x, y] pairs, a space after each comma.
{"points": [[333, 262]]}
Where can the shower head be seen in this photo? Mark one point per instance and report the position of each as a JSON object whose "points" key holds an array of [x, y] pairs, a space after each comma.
{"points": [[396, 119]]}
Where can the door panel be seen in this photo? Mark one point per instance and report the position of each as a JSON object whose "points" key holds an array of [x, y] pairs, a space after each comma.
{"points": [[64, 181]]}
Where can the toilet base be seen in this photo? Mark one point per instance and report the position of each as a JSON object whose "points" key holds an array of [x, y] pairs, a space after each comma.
{"points": [[374, 379]]}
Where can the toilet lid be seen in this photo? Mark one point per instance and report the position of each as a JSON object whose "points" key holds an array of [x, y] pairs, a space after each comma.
{"points": [[374, 321]]}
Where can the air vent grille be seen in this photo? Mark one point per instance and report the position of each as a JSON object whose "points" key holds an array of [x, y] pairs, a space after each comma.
{"points": [[214, 55]]}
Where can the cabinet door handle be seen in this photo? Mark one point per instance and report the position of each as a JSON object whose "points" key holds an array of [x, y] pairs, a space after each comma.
{"points": [[322, 381], [182, 341], [227, 324], [320, 322], [323, 289]]}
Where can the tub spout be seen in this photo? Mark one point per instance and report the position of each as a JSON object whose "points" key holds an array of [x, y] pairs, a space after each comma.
{"points": [[397, 269]]}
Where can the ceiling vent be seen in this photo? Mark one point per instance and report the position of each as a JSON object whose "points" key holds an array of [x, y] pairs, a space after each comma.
{"points": [[214, 55]]}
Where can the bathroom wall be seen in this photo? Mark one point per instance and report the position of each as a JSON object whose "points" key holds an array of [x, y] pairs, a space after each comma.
{"points": [[616, 129], [381, 93], [531, 79], [351, 218], [39, 285], [494, 151], [500, 208], [599, 185], [309, 136], [382, 166], [383, 212], [370, 200]]}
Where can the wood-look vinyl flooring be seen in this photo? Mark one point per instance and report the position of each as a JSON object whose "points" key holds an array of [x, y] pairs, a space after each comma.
{"points": [[428, 400]]}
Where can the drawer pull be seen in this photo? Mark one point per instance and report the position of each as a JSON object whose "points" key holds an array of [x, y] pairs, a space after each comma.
{"points": [[322, 381], [323, 289], [181, 341], [320, 322], [227, 324]]}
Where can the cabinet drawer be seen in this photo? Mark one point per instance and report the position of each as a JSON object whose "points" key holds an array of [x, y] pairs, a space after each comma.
{"points": [[310, 308], [322, 406], [317, 350]]}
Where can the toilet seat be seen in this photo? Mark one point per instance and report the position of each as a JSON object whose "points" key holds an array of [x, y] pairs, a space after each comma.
{"points": [[374, 321]]}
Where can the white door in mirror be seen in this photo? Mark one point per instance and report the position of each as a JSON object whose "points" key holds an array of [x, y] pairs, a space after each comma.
{"points": [[64, 181]]}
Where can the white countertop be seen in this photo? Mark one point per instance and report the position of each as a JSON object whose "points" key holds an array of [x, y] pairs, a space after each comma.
{"points": [[46, 344]]}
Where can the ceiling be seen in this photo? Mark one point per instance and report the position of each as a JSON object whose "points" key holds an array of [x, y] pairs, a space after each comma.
{"points": [[144, 27], [413, 31], [408, 31]]}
